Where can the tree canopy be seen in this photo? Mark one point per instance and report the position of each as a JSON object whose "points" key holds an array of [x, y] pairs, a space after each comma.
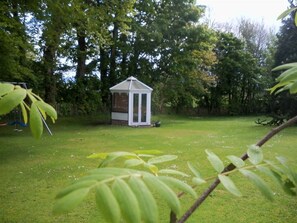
{"points": [[72, 51]]}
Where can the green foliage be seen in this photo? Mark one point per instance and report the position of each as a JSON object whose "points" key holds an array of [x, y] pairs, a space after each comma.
{"points": [[123, 193], [137, 159], [128, 194], [287, 80], [237, 76], [12, 96], [15, 49], [267, 167]]}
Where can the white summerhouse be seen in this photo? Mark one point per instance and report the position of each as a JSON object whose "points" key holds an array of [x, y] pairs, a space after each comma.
{"points": [[131, 103]]}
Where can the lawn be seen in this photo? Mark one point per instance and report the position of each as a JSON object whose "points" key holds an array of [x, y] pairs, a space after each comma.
{"points": [[33, 171]]}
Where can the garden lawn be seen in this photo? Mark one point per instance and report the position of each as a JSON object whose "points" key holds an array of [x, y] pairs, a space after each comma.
{"points": [[33, 171]]}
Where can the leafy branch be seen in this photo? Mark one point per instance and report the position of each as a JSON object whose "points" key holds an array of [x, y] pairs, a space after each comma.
{"points": [[124, 194], [128, 194], [291, 175], [287, 80], [12, 96]]}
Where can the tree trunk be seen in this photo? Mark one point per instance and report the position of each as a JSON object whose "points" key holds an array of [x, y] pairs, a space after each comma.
{"points": [[113, 54], [81, 55], [124, 58], [104, 76], [49, 78]]}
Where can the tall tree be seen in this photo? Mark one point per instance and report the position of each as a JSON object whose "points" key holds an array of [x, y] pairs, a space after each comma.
{"points": [[16, 52], [169, 49], [285, 105], [236, 73]]}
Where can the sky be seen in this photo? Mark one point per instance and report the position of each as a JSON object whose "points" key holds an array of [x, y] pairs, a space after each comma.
{"points": [[221, 11]]}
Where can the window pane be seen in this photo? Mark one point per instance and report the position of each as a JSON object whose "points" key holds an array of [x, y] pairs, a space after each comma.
{"points": [[135, 107], [143, 107]]}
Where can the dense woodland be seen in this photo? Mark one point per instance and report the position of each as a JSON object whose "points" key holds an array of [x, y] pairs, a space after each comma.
{"points": [[72, 51]]}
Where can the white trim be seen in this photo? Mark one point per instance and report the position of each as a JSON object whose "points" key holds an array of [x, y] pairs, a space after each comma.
{"points": [[119, 116]]}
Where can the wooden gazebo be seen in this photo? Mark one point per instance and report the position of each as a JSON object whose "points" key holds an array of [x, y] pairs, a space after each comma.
{"points": [[131, 103]]}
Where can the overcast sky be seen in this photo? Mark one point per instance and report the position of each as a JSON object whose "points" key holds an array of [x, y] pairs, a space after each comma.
{"points": [[257, 10]]}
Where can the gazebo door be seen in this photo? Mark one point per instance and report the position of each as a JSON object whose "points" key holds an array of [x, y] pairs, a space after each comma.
{"points": [[139, 109]]}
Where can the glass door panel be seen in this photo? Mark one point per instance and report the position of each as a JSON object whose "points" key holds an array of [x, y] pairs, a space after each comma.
{"points": [[135, 107], [143, 107]]}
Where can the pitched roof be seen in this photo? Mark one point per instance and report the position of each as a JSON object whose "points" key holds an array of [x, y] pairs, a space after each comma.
{"points": [[130, 84]]}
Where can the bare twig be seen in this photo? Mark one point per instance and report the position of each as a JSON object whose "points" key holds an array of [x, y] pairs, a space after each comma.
{"points": [[230, 167]]}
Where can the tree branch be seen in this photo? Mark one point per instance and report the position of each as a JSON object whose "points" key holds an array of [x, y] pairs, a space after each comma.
{"points": [[230, 167]]}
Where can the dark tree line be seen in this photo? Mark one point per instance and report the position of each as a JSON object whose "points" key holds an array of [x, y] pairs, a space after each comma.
{"points": [[191, 67]]}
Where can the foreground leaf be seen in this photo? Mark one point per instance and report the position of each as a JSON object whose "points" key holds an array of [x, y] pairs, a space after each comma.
{"points": [[288, 75], [215, 161], [70, 201], [293, 88], [48, 109], [127, 201], [11, 100], [229, 185], [133, 162], [24, 112], [36, 124], [255, 154], [178, 184], [236, 161], [194, 170], [5, 88], [173, 172], [116, 155], [75, 186], [286, 13], [198, 181], [284, 66], [287, 185], [108, 204], [161, 159], [165, 192], [146, 201], [98, 156], [259, 183]]}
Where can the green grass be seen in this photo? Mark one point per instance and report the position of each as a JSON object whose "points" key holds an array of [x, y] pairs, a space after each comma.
{"points": [[33, 171]]}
